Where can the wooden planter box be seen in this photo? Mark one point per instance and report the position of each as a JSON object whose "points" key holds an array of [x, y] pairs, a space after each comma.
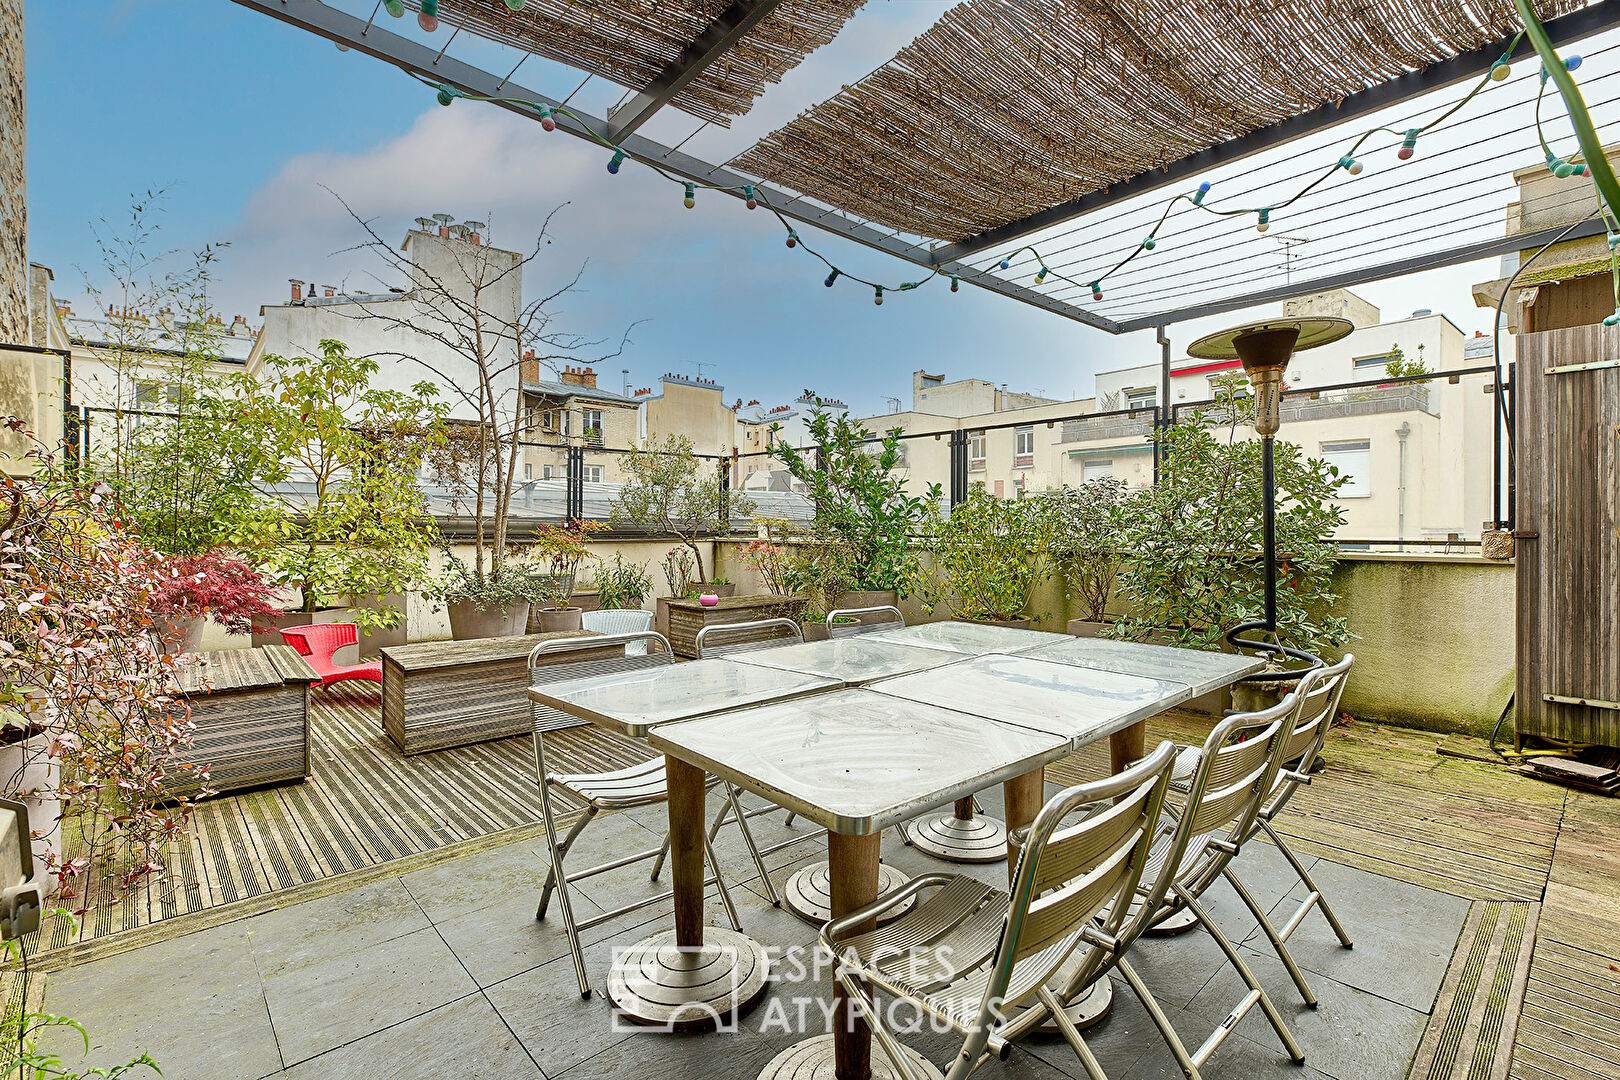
{"points": [[437, 694], [687, 617], [251, 711]]}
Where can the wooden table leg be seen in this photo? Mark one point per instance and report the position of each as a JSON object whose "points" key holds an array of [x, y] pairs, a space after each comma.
{"points": [[686, 814], [1023, 796], [854, 871], [1126, 746], [964, 809]]}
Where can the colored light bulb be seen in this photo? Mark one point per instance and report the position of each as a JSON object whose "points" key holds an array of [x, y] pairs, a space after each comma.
{"points": [[428, 17], [1580, 170], [1350, 165], [1096, 290], [691, 196], [748, 196], [1500, 71], [1560, 168], [1005, 263], [1264, 221], [446, 95], [516, 5], [1408, 145], [1198, 196], [1572, 62], [832, 277], [618, 159], [792, 239], [877, 296], [1149, 243], [1040, 275], [340, 46], [396, 8], [547, 117], [956, 283]]}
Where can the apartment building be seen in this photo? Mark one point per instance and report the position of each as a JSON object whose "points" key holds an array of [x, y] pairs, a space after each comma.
{"points": [[572, 411]]}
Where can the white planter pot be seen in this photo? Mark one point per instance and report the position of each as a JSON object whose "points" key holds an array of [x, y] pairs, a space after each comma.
{"points": [[24, 769]]}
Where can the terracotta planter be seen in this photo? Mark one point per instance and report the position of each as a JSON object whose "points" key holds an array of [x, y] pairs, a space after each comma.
{"points": [[553, 620], [25, 769], [867, 599], [469, 622]]}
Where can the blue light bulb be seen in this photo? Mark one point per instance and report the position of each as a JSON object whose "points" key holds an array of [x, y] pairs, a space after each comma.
{"points": [[618, 159], [832, 277]]}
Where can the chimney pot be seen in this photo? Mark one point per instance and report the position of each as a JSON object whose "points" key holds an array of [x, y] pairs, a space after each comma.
{"points": [[297, 289]]}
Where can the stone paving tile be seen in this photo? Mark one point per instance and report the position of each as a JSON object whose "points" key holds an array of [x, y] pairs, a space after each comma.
{"points": [[322, 1003], [465, 1039], [316, 929], [1404, 934], [194, 1003]]}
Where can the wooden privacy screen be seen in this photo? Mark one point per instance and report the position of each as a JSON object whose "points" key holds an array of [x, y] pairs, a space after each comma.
{"points": [[1568, 477]]}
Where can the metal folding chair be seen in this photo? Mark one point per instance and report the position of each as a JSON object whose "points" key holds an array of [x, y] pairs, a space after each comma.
{"points": [[1196, 844], [868, 620], [620, 789], [971, 955], [619, 621], [1320, 692], [750, 636]]}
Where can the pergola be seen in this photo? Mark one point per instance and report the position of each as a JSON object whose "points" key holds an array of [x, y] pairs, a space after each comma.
{"points": [[1066, 123]]}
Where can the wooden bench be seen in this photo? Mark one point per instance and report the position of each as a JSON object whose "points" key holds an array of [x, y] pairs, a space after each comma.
{"points": [[687, 617], [437, 694], [251, 711]]}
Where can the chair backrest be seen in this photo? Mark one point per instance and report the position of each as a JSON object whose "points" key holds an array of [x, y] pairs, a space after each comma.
{"points": [[867, 620], [1319, 693], [617, 621], [655, 653], [1074, 881], [321, 640], [724, 638]]}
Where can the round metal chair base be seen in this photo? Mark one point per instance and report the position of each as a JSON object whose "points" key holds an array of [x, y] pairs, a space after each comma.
{"points": [[946, 836], [813, 1060], [656, 982], [808, 893], [1096, 1003], [1179, 923]]}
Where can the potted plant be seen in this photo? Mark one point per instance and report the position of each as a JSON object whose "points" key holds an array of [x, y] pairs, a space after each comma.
{"points": [[559, 550], [669, 490], [213, 585], [678, 567], [622, 585], [1085, 526], [1193, 568], [864, 516], [989, 554], [91, 721], [341, 518]]}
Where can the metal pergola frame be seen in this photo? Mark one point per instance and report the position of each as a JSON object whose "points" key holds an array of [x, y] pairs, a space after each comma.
{"points": [[742, 15]]}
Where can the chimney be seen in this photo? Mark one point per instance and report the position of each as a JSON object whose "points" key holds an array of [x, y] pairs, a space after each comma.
{"points": [[297, 290], [239, 328], [578, 376], [529, 368], [329, 290]]}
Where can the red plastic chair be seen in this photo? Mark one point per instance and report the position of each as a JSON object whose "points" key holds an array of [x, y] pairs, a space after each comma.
{"points": [[317, 644]]}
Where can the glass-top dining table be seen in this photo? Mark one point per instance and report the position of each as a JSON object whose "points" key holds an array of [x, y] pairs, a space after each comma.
{"points": [[876, 734]]}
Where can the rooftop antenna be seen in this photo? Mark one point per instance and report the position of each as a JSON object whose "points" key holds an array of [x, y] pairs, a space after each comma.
{"points": [[894, 404], [700, 365], [1288, 244]]}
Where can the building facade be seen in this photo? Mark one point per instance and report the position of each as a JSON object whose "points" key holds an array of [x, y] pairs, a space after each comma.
{"points": [[572, 411]]}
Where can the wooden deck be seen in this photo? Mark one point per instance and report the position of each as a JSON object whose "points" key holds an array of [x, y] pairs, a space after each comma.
{"points": [[1540, 862]]}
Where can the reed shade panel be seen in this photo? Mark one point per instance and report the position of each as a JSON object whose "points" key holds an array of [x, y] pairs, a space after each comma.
{"points": [[1007, 107], [630, 42]]}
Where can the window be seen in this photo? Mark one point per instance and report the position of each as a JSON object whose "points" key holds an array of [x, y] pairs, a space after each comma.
{"points": [[591, 425], [1369, 362], [1140, 399], [545, 472], [1353, 459], [548, 420], [975, 449], [593, 474], [1024, 446], [528, 471], [1096, 469]]}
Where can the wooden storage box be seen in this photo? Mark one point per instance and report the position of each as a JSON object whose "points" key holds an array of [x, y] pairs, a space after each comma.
{"points": [[687, 617], [251, 711]]}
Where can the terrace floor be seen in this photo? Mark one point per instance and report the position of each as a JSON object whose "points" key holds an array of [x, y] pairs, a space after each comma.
{"points": [[378, 922]]}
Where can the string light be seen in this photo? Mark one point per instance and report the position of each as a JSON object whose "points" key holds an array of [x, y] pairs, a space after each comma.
{"points": [[1096, 290], [748, 196], [877, 295], [832, 277], [956, 283], [1264, 221], [516, 5], [1500, 70], [1005, 263], [548, 116], [447, 94], [618, 160], [428, 17], [792, 238], [1040, 275], [1198, 196], [1350, 165], [691, 196], [1149, 242], [1408, 145], [396, 8]]}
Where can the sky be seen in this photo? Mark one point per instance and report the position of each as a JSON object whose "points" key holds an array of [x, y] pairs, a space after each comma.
{"points": [[259, 134]]}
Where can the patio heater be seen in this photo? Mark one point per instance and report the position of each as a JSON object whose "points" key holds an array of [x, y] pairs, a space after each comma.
{"points": [[1264, 349]]}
